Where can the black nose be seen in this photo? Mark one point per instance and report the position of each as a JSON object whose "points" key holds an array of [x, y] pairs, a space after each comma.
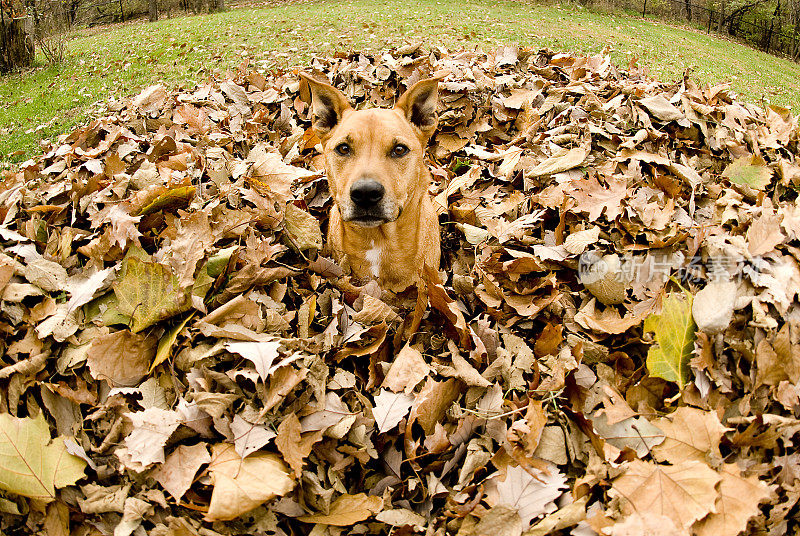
{"points": [[366, 193]]}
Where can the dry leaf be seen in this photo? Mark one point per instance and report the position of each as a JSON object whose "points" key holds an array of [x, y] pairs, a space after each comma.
{"points": [[684, 492], [243, 484]]}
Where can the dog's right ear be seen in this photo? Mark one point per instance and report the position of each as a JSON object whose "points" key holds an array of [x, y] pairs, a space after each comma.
{"points": [[327, 105]]}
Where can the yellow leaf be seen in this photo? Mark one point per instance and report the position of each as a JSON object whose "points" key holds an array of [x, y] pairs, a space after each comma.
{"points": [[147, 292], [675, 333], [303, 228], [30, 464], [176, 197], [166, 341], [749, 171]]}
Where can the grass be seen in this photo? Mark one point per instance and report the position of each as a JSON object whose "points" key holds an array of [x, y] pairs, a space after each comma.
{"points": [[119, 60]]}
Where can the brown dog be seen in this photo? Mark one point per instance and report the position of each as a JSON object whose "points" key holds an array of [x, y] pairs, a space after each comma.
{"points": [[382, 222]]}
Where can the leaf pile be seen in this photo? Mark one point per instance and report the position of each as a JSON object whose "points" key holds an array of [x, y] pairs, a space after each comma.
{"points": [[612, 346]]}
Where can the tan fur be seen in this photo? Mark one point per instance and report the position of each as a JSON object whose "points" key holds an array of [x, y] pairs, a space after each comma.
{"points": [[395, 251]]}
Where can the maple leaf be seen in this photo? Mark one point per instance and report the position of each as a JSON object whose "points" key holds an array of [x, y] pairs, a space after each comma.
{"points": [[152, 429], [764, 234], [123, 227], [738, 501], [303, 228], [690, 434], [31, 464], [407, 370], [530, 492], [347, 510], [123, 358], [635, 433], [556, 164], [660, 108], [684, 492], [177, 472], [249, 437], [390, 408], [151, 99], [593, 198], [295, 446], [243, 484], [749, 171], [147, 292], [262, 354]]}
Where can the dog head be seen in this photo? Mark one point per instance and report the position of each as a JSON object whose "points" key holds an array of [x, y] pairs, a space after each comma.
{"points": [[374, 157]]}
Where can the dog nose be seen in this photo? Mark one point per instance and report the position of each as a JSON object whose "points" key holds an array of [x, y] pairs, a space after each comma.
{"points": [[366, 193]]}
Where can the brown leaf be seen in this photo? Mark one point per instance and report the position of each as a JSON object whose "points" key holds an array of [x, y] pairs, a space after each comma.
{"points": [[294, 446], [177, 473], [122, 358], [432, 402], [684, 492], [243, 484], [347, 510], [738, 501], [691, 434], [407, 370]]}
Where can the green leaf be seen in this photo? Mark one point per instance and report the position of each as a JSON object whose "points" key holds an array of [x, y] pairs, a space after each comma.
{"points": [[219, 261], [749, 171], [147, 292], [30, 464], [675, 334], [166, 342], [215, 265]]}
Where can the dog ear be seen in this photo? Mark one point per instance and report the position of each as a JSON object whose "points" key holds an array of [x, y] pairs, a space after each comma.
{"points": [[327, 105], [419, 105]]}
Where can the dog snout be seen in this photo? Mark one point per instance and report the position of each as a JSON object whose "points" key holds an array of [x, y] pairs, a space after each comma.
{"points": [[367, 193]]}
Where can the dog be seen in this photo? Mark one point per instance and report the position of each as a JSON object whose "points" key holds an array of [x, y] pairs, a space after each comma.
{"points": [[382, 222]]}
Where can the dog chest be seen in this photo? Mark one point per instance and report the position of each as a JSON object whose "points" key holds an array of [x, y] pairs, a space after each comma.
{"points": [[373, 258]]}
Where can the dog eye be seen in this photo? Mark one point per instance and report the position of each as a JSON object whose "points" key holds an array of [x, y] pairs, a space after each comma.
{"points": [[400, 150], [343, 149]]}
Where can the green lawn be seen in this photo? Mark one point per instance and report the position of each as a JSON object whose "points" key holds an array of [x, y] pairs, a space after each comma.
{"points": [[118, 60]]}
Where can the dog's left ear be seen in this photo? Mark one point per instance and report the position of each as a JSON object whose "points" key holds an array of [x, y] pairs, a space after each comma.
{"points": [[419, 105]]}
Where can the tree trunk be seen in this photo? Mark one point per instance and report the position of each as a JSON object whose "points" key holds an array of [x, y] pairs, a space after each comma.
{"points": [[721, 23], [153, 10], [766, 41], [16, 44]]}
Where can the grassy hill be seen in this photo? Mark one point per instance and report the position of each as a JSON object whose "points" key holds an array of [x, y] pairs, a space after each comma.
{"points": [[116, 61]]}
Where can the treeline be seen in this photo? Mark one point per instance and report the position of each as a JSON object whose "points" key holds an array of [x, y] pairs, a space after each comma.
{"points": [[770, 25], [64, 14]]}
